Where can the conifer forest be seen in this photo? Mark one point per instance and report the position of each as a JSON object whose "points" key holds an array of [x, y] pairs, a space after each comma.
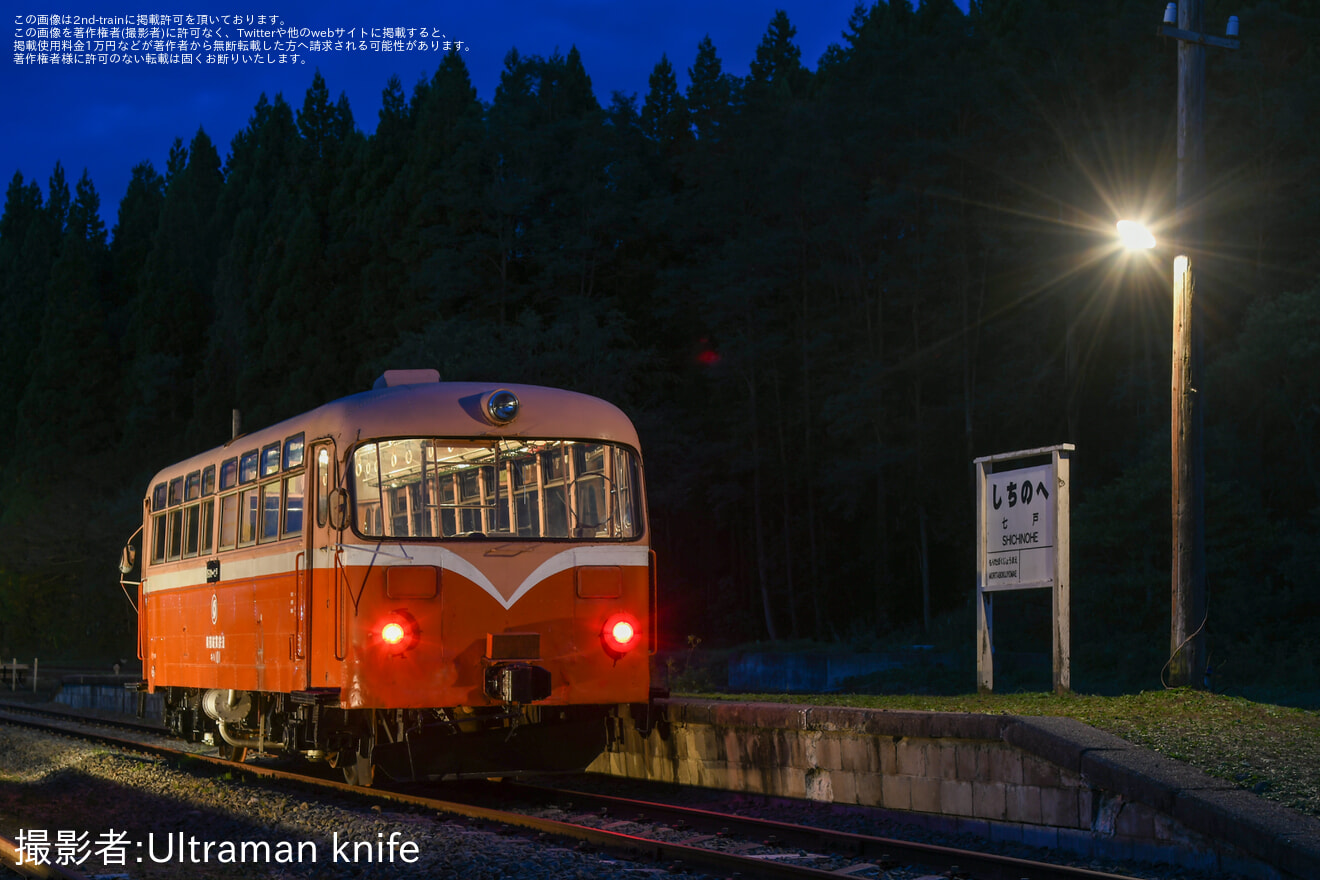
{"points": [[820, 291]]}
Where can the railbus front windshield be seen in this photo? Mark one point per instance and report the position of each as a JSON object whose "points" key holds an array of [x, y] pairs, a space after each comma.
{"points": [[506, 489]]}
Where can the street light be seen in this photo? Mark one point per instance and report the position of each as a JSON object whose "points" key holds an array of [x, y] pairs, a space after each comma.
{"points": [[1135, 236], [1187, 659]]}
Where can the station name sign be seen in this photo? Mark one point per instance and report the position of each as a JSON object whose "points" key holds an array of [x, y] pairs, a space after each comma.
{"points": [[1019, 517], [1023, 543]]}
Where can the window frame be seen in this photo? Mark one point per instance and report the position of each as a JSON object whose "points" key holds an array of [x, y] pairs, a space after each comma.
{"points": [[228, 508], [269, 463], [159, 537], [285, 530], [476, 486], [294, 442], [249, 459], [269, 490], [215, 510], [249, 514], [228, 474]]}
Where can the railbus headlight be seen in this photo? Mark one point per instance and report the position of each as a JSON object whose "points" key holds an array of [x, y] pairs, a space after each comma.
{"points": [[502, 407]]}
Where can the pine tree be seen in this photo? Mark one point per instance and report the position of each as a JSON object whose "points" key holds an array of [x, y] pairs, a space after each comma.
{"points": [[29, 243], [172, 313], [664, 116], [70, 399], [135, 228], [778, 61], [255, 210], [710, 92]]}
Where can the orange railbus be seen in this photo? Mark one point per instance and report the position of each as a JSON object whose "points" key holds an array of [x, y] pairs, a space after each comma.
{"points": [[427, 579]]}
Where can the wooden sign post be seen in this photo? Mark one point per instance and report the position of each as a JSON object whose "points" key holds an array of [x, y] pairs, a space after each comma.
{"points": [[1022, 522]]}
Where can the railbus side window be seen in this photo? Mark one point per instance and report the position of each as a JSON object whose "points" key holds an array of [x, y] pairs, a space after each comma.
{"points": [[293, 452], [208, 480], [158, 538], [192, 520], [247, 467], [270, 511], [158, 523], [247, 517], [229, 521], [229, 474], [208, 526], [293, 504], [270, 460], [175, 549]]}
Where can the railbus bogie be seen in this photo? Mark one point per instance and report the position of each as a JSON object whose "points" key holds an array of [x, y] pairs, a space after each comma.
{"points": [[427, 579]]}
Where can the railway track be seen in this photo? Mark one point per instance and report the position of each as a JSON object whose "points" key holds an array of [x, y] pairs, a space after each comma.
{"points": [[11, 860], [683, 838], [694, 826], [77, 718]]}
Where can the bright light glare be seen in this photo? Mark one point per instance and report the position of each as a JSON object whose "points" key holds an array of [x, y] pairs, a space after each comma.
{"points": [[619, 635], [391, 633], [1134, 236], [623, 632]]}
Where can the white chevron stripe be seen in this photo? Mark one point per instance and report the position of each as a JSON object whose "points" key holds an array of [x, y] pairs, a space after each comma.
{"points": [[401, 554], [234, 569], [576, 557], [446, 559]]}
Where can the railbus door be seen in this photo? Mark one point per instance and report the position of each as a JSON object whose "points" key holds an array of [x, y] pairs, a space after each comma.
{"points": [[319, 623]]}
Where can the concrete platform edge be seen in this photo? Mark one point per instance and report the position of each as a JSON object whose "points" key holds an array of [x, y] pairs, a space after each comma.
{"points": [[1212, 807]]}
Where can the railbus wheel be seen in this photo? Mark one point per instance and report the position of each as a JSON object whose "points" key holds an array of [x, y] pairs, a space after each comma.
{"points": [[356, 763], [237, 754]]}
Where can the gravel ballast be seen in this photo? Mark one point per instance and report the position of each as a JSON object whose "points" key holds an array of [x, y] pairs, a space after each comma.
{"points": [[134, 816]]}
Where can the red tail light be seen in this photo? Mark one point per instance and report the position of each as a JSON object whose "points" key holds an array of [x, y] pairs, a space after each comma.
{"points": [[620, 634], [397, 632]]}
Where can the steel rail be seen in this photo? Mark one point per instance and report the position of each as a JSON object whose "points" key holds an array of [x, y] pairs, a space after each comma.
{"points": [[26, 709], [638, 847], [16, 860], [986, 866]]}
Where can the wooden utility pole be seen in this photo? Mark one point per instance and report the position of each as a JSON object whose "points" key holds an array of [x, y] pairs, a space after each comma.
{"points": [[1187, 643], [1187, 635]]}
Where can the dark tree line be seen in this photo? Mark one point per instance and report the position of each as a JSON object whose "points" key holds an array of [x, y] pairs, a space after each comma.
{"points": [[820, 293]]}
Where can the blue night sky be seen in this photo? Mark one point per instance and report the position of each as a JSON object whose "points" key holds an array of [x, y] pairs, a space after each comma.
{"points": [[107, 118]]}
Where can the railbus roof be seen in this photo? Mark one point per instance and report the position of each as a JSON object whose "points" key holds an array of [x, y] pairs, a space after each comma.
{"points": [[429, 408]]}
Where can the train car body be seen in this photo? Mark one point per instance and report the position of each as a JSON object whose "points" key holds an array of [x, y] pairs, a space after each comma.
{"points": [[433, 579]]}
